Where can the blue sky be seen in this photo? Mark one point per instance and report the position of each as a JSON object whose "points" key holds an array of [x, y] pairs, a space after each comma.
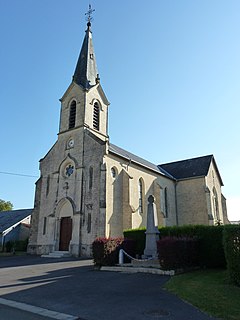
{"points": [[171, 70]]}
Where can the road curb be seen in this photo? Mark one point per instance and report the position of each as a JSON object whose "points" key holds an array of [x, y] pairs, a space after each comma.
{"points": [[37, 310], [139, 269]]}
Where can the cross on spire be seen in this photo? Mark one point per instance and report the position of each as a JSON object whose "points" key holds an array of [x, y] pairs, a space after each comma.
{"points": [[89, 14], [86, 74]]}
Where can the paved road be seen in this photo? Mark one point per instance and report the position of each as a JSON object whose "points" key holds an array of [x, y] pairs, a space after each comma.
{"points": [[9, 313], [73, 287]]}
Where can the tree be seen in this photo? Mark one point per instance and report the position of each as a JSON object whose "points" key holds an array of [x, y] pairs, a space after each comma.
{"points": [[5, 205]]}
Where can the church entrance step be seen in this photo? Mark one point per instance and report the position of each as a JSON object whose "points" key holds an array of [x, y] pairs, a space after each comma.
{"points": [[57, 254]]}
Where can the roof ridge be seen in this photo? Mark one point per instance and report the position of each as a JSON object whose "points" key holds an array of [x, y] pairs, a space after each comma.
{"points": [[139, 160], [183, 160]]}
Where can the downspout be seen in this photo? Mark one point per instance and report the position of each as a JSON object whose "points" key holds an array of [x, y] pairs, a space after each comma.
{"points": [[129, 163]]}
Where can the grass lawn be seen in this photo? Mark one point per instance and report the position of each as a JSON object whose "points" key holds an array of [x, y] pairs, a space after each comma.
{"points": [[210, 291]]}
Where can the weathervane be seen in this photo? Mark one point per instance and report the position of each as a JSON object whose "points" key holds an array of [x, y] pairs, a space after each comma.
{"points": [[89, 14]]}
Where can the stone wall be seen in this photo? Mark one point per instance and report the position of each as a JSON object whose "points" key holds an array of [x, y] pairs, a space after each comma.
{"points": [[32, 243], [192, 202], [218, 205], [122, 210], [200, 200]]}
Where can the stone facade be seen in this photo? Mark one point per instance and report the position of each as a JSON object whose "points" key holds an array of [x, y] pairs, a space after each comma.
{"points": [[89, 188], [122, 210]]}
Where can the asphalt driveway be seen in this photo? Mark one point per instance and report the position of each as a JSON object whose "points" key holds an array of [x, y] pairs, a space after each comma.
{"points": [[72, 287]]}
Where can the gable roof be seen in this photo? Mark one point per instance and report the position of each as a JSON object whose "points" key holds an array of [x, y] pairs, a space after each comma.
{"points": [[140, 161], [190, 168], [10, 218]]}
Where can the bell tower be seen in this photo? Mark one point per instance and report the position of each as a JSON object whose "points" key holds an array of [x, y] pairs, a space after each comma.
{"points": [[84, 104], [70, 200]]}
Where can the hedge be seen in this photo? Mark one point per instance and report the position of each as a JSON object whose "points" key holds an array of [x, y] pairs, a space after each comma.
{"points": [[211, 252], [231, 241], [138, 235], [178, 252], [106, 250], [17, 245]]}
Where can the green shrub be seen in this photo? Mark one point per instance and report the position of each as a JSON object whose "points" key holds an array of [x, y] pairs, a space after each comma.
{"points": [[19, 245], [106, 250], [9, 246], [178, 252], [231, 241], [211, 252], [139, 237]]}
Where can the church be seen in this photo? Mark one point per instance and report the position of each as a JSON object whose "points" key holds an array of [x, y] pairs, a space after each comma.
{"points": [[89, 187]]}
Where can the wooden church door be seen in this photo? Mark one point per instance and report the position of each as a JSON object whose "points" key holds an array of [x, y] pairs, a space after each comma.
{"points": [[65, 233]]}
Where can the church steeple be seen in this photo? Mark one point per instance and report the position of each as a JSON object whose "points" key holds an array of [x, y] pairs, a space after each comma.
{"points": [[86, 74], [84, 104]]}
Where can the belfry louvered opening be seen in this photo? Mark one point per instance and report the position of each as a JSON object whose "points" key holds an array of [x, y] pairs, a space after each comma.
{"points": [[96, 116], [72, 115]]}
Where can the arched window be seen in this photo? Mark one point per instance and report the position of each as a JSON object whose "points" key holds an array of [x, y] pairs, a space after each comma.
{"points": [[113, 172], [72, 115], [140, 196], [164, 201], [89, 223], [44, 225], [96, 110], [48, 183], [90, 178], [215, 204]]}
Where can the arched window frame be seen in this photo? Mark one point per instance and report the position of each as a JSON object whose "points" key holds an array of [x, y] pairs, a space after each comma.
{"points": [[89, 222], [44, 225], [140, 195], [72, 115], [164, 201], [90, 178], [216, 204], [68, 162], [114, 172], [48, 184]]}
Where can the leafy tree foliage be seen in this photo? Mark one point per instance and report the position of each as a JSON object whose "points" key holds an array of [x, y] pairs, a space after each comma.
{"points": [[5, 205]]}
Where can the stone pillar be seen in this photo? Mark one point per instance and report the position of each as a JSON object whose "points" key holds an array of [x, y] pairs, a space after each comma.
{"points": [[152, 233]]}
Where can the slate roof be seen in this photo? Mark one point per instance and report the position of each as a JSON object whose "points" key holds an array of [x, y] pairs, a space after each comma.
{"points": [[133, 158], [86, 70], [189, 168], [183, 169], [10, 218]]}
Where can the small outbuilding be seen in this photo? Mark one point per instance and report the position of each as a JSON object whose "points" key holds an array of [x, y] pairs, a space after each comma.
{"points": [[14, 225]]}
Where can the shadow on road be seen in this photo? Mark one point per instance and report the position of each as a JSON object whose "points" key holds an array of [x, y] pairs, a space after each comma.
{"points": [[26, 260], [74, 287]]}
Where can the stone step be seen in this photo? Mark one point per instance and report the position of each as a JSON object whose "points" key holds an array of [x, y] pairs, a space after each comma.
{"points": [[57, 254], [151, 263]]}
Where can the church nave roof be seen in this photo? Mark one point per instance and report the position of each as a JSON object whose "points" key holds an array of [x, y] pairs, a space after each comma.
{"points": [[133, 158]]}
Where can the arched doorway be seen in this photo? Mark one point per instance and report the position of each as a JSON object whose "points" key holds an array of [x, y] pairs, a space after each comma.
{"points": [[65, 233], [65, 214]]}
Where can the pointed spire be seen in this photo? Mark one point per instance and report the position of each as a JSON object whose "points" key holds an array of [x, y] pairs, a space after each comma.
{"points": [[86, 74]]}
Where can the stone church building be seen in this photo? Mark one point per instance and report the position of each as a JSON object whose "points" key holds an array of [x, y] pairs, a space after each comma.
{"points": [[91, 188]]}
